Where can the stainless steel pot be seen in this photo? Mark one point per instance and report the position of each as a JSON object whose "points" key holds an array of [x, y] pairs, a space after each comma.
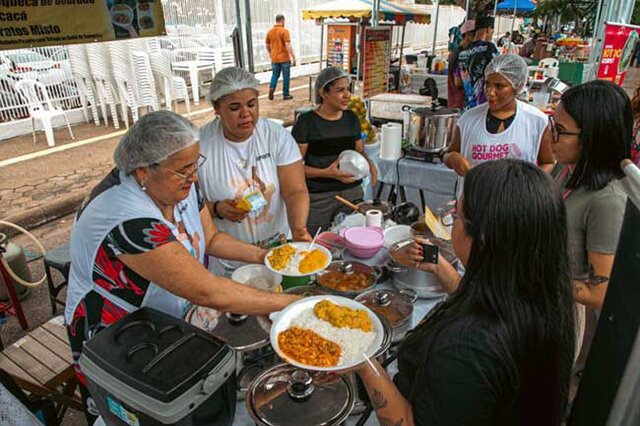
{"points": [[432, 130], [394, 306], [425, 284], [345, 268]]}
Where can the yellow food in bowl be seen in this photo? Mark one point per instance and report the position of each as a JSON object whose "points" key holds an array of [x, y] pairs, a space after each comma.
{"points": [[280, 256], [312, 261], [343, 316]]}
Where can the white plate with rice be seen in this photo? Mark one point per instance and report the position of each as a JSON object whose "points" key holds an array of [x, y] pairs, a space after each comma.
{"points": [[291, 269], [357, 346]]}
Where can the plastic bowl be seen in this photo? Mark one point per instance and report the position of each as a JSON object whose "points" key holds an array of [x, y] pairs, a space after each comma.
{"points": [[353, 162], [396, 233], [246, 273], [363, 242], [363, 253]]}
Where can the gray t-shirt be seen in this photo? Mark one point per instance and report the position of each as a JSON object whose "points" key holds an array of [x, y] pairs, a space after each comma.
{"points": [[594, 221]]}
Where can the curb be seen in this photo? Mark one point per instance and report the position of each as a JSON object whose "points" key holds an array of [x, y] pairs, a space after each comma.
{"points": [[37, 216]]}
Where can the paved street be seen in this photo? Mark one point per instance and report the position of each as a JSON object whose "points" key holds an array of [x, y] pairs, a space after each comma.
{"points": [[34, 183]]}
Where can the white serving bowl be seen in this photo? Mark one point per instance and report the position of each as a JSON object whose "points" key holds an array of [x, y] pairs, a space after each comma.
{"points": [[353, 162]]}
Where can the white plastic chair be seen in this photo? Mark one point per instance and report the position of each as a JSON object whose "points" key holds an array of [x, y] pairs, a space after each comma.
{"points": [[225, 58], [172, 87], [205, 61], [125, 79], [548, 63], [41, 108], [145, 83], [100, 65], [80, 70]]}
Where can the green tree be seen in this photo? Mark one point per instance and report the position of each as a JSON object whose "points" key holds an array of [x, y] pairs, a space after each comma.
{"points": [[581, 12], [635, 18]]}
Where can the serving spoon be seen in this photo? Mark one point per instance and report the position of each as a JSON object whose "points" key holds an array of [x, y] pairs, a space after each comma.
{"points": [[314, 239]]}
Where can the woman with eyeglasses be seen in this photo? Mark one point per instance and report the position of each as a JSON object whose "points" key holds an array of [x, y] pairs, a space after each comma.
{"points": [[250, 157], [499, 350], [504, 127], [591, 143], [143, 238]]}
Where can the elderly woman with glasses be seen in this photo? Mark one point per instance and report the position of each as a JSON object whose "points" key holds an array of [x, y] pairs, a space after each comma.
{"points": [[504, 127], [143, 237], [250, 158]]}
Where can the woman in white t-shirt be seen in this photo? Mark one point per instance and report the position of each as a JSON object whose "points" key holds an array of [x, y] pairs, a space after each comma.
{"points": [[504, 127], [250, 156]]}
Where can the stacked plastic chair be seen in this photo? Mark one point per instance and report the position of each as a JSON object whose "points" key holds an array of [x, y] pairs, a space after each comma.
{"points": [[100, 65], [171, 86], [146, 85], [224, 58], [153, 45], [138, 44], [125, 79], [80, 70]]}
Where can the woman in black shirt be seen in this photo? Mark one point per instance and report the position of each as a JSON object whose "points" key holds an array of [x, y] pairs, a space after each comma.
{"points": [[499, 350], [322, 134]]}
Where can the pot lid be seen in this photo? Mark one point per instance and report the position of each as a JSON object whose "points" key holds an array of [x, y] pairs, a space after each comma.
{"points": [[241, 332], [285, 395], [364, 237], [396, 307]]}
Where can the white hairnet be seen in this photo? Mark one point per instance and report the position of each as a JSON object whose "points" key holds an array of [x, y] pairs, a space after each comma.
{"points": [[325, 77], [230, 80], [153, 138], [510, 66]]}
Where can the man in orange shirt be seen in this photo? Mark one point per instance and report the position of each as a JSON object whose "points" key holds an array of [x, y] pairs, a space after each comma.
{"points": [[278, 43]]}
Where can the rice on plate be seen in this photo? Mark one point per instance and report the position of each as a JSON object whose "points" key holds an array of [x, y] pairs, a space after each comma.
{"points": [[295, 259], [300, 321]]}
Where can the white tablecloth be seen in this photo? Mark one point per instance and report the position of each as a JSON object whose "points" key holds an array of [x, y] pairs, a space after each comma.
{"points": [[437, 181]]}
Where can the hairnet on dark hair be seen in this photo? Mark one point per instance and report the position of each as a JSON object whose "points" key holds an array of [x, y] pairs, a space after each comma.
{"points": [[325, 77], [231, 80], [512, 67]]}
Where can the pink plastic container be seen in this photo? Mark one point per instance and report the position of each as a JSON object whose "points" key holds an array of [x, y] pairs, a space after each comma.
{"points": [[363, 242]]}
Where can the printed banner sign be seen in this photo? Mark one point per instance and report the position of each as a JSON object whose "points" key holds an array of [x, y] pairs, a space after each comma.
{"points": [[31, 23], [617, 51], [341, 49], [377, 56]]}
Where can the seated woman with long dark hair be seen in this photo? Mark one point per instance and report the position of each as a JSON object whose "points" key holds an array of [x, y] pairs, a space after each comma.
{"points": [[499, 350]]}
